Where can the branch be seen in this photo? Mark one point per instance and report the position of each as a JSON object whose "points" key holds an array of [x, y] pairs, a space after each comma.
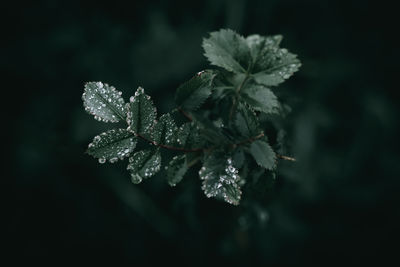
{"points": [[250, 140], [237, 93], [285, 157], [185, 114]]}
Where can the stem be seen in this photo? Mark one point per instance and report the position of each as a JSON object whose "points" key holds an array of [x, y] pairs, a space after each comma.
{"points": [[237, 94], [251, 139], [286, 157], [193, 162], [185, 114]]}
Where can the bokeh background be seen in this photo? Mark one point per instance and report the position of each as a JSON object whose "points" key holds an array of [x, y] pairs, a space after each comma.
{"points": [[338, 204]]}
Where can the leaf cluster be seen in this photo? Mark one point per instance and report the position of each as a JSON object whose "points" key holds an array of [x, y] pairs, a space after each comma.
{"points": [[226, 109]]}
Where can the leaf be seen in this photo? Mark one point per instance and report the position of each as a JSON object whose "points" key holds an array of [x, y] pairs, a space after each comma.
{"points": [[165, 130], [228, 50], [144, 164], [246, 122], [271, 64], [176, 169], [263, 154], [103, 102], [112, 145], [141, 113], [260, 99], [220, 178], [184, 132], [190, 95], [188, 136]]}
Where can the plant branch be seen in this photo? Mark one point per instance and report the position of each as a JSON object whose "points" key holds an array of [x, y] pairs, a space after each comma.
{"points": [[237, 95], [285, 157], [193, 162], [250, 140], [185, 114]]}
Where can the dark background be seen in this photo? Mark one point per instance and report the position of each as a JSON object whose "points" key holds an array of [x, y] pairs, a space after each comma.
{"points": [[338, 204]]}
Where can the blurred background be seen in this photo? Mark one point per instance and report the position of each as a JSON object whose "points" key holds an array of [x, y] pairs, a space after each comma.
{"points": [[339, 203]]}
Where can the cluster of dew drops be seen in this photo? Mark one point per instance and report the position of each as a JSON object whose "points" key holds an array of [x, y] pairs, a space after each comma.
{"points": [[98, 96], [134, 99], [124, 149], [150, 169], [230, 177]]}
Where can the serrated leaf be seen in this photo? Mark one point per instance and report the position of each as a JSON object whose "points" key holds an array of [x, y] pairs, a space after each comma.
{"points": [[259, 44], [176, 169], [220, 178], [208, 130], [228, 50], [183, 133], [141, 113], [165, 130], [246, 122], [112, 145], [144, 164], [271, 64], [188, 136], [190, 95], [103, 102], [260, 98], [263, 154]]}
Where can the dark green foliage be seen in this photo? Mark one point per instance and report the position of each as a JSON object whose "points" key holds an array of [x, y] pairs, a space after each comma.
{"points": [[112, 145], [220, 177], [223, 108], [193, 93], [176, 169], [263, 154], [144, 164], [104, 102]]}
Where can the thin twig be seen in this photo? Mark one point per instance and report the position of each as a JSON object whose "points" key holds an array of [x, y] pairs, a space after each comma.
{"points": [[193, 162], [250, 140], [286, 157], [237, 93], [185, 114]]}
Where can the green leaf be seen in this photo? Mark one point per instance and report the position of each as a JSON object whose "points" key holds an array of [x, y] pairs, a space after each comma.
{"points": [[263, 154], [271, 64], [176, 169], [259, 44], [144, 164], [190, 95], [103, 102], [228, 50], [246, 122], [189, 137], [141, 113], [165, 130], [220, 178], [260, 99], [112, 145]]}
